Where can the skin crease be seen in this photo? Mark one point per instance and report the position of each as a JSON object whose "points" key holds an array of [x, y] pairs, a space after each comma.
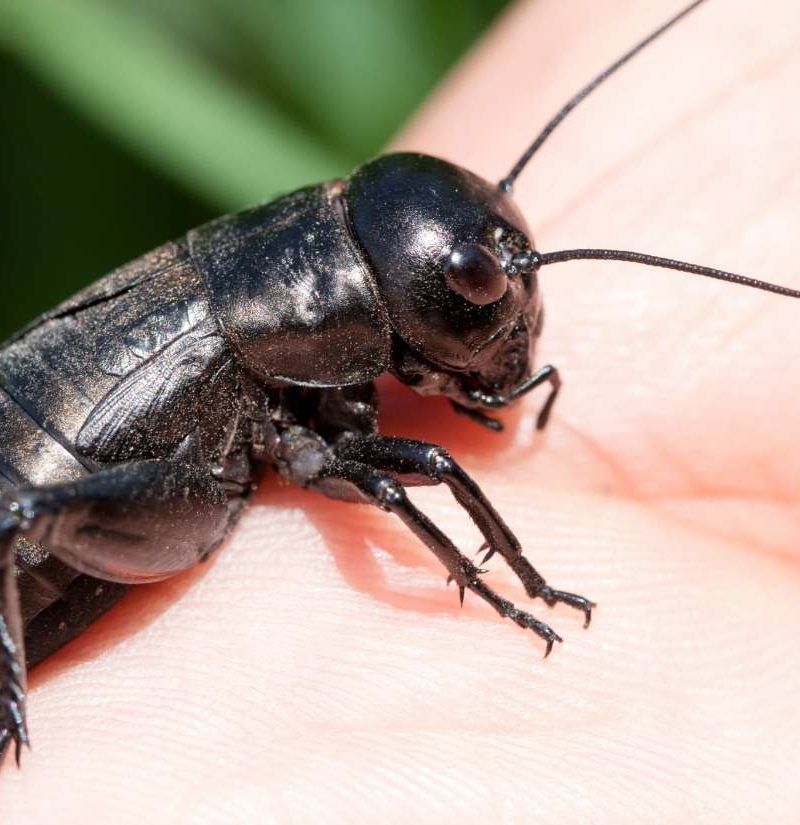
{"points": [[318, 669]]}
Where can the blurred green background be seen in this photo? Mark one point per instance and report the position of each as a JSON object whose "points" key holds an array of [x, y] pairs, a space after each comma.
{"points": [[126, 122]]}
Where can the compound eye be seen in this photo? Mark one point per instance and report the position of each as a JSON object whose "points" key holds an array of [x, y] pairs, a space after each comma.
{"points": [[475, 274]]}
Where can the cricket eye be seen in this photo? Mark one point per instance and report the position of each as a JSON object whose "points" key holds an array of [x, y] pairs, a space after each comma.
{"points": [[475, 274]]}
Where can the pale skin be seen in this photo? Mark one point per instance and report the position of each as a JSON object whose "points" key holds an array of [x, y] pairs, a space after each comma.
{"points": [[319, 670]]}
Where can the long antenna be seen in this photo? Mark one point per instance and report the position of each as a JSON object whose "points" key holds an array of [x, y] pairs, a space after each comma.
{"points": [[533, 260], [509, 179]]}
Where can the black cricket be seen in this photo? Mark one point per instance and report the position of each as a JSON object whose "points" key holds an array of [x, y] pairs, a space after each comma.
{"points": [[135, 416]]}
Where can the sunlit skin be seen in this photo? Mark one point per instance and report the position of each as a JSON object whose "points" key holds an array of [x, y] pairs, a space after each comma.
{"points": [[319, 670]]}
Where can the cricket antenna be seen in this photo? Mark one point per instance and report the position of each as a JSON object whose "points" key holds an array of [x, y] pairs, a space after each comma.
{"points": [[530, 261], [508, 181]]}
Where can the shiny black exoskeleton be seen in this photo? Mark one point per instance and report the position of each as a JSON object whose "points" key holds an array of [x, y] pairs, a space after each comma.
{"points": [[134, 417]]}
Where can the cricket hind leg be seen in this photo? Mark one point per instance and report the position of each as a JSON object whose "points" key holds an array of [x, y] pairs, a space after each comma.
{"points": [[12, 655], [420, 463], [130, 523]]}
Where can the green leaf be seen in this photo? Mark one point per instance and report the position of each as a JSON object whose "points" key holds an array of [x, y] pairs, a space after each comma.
{"points": [[161, 100]]}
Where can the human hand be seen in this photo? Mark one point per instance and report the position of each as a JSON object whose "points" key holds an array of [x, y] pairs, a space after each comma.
{"points": [[318, 670]]}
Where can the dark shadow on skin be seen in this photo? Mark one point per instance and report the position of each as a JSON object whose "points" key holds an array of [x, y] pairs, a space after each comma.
{"points": [[137, 609]]}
